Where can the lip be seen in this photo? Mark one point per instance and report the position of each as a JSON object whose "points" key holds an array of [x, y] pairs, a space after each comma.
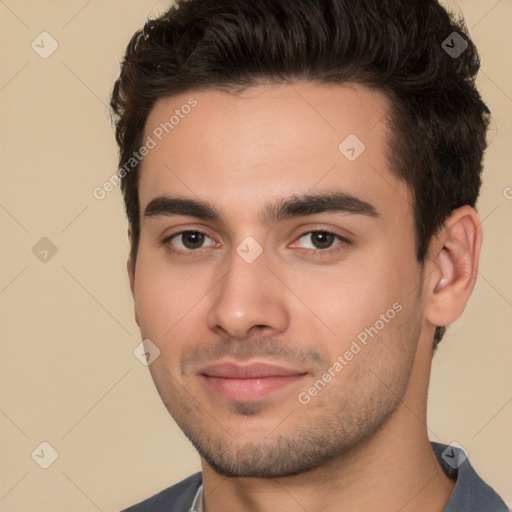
{"points": [[248, 383]]}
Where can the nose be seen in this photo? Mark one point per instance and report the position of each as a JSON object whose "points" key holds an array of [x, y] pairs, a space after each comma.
{"points": [[249, 300]]}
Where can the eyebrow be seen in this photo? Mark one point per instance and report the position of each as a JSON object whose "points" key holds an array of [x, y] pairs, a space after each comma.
{"points": [[286, 208]]}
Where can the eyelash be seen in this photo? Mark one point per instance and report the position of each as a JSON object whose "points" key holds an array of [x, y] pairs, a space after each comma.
{"points": [[343, 242]]}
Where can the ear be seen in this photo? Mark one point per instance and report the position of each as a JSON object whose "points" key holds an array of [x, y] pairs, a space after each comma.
{"points": [[130, 264], [130, 267], [453, 266]]}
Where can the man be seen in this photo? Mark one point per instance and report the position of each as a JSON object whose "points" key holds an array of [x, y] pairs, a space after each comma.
{"points": [[300, 179]]}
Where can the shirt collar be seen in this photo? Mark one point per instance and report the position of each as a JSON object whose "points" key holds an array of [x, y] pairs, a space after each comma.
{"points": [[197, 504]]}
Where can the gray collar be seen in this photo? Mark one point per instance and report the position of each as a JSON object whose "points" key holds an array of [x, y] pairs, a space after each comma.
{"points": [[197, 504]]}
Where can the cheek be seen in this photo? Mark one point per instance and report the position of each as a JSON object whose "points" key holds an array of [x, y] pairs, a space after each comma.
{"points": [[162, 295], [353, 298], [170, 313]]}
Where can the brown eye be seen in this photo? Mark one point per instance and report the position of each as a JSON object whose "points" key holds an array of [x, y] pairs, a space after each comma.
{"points": [[320, 240], [192, 239], [188, 241]]}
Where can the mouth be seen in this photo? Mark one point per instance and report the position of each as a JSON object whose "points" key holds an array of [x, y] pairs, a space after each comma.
{"points": [[248, 383]]}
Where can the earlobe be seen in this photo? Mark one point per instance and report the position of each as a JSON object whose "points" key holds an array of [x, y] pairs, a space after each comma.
{"points": [[453, 266]]}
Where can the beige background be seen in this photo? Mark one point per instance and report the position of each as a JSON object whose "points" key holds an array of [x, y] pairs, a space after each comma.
{"points": [[68, 373]]}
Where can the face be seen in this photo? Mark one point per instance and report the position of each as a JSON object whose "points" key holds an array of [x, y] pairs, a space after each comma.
{"points": [[276, 273]]}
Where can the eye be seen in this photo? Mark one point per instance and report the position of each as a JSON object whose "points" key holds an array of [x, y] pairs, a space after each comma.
{"points": [[187, 241], [322, 241]]}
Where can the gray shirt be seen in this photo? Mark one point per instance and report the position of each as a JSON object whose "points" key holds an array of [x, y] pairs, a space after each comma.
{"points": [[471, 493]]}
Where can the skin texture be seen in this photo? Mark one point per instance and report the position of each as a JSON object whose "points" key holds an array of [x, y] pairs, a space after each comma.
{"points": [[361, 441]]}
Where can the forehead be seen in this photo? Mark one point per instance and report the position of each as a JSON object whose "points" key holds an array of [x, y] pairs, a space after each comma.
{"points": [[269, 141]]}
